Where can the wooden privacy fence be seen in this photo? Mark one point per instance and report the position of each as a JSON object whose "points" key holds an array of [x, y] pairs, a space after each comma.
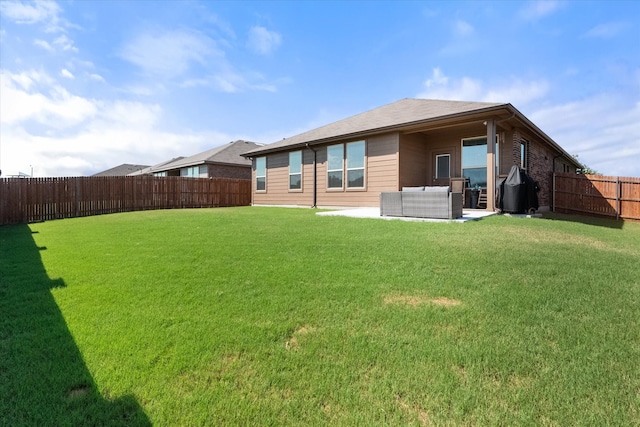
{"points": [[610, 196], [25, 200]]}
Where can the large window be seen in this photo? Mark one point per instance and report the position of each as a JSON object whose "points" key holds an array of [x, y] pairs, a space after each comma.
{"points": [[355, 164], [443, 162], [261, 174], [474, 160], [295, 170], [192, 172], [335, 165], [349, 156]]}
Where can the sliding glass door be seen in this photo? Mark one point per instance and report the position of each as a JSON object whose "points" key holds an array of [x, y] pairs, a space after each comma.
{"points": [[474, 160]]}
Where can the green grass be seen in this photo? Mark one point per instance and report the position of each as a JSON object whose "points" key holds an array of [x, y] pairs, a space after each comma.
{"points": [[269, 316]]}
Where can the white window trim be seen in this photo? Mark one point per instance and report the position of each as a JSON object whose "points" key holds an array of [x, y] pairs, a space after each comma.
{"points": [[362, 168], [261, 176], [341, 188], [296, 190]]}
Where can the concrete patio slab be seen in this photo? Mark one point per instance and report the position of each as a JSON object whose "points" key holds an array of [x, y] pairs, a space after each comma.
{"points": [[467, 215]]}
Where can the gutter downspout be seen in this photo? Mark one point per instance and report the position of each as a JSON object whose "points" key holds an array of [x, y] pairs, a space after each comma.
{"points": [[315, 176]]}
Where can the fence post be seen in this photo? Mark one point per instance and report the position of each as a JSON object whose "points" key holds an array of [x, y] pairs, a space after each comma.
{"points": [[618, 195]]}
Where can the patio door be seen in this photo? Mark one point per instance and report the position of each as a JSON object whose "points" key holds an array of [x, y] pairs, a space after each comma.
{"points": [[441, 167]]}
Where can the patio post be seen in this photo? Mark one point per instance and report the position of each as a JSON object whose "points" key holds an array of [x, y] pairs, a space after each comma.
{"points": [[491, 164]]}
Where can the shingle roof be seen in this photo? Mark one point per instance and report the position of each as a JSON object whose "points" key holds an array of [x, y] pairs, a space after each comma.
{"points": [[122, 170], [226, 154], [148, 170], [399, 113]]}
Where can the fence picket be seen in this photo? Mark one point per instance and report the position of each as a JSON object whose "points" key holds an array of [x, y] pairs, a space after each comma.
{"points": [[608, 196], [25, 200]]}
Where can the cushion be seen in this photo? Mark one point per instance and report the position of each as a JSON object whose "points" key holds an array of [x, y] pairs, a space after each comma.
{"points": [[436, 189], [413, 188]]}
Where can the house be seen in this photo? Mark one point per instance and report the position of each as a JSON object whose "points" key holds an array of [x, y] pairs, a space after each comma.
{"points": [[224, 161], [122, 170], [411, 142], [148, 169]]}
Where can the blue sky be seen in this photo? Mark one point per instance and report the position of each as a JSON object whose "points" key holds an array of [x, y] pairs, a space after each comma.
{"points": [[88, 85]]}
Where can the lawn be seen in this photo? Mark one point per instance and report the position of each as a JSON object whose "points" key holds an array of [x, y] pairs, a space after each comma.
{"points": [[274, 316]]}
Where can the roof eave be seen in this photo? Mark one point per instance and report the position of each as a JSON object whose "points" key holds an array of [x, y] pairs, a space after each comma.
{"points": [[376, 131]]}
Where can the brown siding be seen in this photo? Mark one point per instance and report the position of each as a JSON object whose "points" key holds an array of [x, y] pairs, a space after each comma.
{"points": [[278, 181], [449, 141], [413, 160], [381, 174]]}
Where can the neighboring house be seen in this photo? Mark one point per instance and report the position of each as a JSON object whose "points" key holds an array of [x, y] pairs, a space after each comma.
{"points": [[224, 161], [412, 142], [122, 170], [148, 169]]}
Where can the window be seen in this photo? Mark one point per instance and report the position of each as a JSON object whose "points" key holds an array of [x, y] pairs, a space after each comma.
{"points": [[192, 172], [351, 156], [160, 173], [443, 162], [295, 170], [355, 164], [261, 174], [523, 153], [335, 165], [474, 160]]}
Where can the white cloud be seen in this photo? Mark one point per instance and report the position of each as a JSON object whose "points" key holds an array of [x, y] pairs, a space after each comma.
{"points": [[67, 74], [512, 90], [24, 12], [43, 44], [537, 9], [64, 43], [33, 96], [78, 136], [96, 77], [263, 41], [169, 54], [230, 81], [603, 130], [462, 28], [607, 30]]}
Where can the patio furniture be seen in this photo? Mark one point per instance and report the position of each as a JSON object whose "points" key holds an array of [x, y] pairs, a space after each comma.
{"points": [[422, 202], [459, 185], [482, 199]]}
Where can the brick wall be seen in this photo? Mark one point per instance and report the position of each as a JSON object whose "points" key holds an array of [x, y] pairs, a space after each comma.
{"points": [[539, 165], [233, 172]]}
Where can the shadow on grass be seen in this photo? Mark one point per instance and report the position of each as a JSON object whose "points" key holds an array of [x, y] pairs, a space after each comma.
{"points": [[43, 378], [584, 219]]}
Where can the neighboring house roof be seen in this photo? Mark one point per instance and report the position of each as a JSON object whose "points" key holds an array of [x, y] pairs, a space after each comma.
{"points": [[122, 170], [228, 154], [400, 115], [148, 170]]}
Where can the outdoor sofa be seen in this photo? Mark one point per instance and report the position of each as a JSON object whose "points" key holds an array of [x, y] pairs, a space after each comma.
{"points": [[422, 202]]}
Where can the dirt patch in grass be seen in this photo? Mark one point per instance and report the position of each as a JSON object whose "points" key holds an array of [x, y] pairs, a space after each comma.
{"points": [[414, 411], [292, 343], [556, 237], [78, 392], [415, 301]]}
